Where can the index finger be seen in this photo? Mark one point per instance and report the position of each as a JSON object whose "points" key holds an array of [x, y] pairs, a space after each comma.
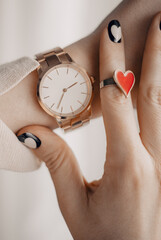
{"points": [[118, 115]]}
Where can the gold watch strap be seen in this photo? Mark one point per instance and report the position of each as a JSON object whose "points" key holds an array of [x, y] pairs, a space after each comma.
{"points": [[50, 59], [76, 122]]}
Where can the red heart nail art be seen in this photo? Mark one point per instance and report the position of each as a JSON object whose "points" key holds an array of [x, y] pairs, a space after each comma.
{"points": [[125, 81]]}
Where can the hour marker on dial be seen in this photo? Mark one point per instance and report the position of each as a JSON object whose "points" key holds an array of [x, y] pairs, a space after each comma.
{"points": [[80, 102], [45, 87], [82, 83], [72, 109], [52, 105], [46, 97], [49, 77], [61, 109], [57, 71], [84, 93], [76, 75]]}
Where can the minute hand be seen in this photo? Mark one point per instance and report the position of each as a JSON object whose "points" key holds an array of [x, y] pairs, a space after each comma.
{"points": [[60, 100]]}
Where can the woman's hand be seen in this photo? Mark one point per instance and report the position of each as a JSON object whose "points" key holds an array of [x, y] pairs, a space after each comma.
{"points": [[126, 202], [134, 15]]}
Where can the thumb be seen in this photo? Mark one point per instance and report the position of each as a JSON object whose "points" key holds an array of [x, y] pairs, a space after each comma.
{"points": [[63, 167]]}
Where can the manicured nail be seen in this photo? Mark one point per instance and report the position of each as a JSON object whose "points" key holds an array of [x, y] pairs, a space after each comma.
{"points": [[114, 31], [29, 140], [160, 25]]}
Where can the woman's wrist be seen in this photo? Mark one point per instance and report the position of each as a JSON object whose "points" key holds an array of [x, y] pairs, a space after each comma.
{"points": [[19, 106], [134, 16]]}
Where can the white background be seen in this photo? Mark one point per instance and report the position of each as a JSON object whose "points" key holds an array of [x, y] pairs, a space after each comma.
{"points": [[28, 205]]}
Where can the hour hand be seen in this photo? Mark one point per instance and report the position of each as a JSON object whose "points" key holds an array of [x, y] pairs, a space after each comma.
{"points": [[72, 85]]}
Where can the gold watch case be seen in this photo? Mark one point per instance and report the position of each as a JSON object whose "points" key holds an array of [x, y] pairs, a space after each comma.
{"points": [[90, 83]]}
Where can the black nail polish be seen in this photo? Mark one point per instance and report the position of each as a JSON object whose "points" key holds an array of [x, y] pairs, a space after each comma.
{"points": [[114, 31], [160, 25], [29, 140]]}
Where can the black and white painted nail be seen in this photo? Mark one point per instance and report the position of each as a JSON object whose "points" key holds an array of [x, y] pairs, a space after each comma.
{"points": [[114, 31], [29, 140]]}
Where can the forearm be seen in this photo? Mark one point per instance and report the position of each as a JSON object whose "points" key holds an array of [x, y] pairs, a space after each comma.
{"points": [[19, 106]]}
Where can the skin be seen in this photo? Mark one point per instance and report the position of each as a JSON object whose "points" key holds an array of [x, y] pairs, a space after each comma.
{"points": [[126, 202], [84, 52]]}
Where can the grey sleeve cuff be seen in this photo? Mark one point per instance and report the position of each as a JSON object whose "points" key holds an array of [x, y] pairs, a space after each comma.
{"points": [[12, 73]]}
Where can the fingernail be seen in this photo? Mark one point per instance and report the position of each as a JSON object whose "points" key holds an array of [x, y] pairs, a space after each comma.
{"points": [[114, 31], [29, 140], [160, 25]]}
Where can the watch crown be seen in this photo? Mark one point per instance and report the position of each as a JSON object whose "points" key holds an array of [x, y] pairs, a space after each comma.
{"points": [[92, 79], [89, 109]]}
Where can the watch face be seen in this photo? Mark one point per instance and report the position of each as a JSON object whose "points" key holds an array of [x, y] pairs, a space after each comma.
{"points": [[65, 90]]}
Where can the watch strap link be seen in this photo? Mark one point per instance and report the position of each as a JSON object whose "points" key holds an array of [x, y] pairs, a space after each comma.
{"points": [[52, 58], [76, 122]]}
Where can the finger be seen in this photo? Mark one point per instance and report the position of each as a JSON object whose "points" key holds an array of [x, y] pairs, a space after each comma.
{"points": [[62, 165], [117, 110], [149, 97]]}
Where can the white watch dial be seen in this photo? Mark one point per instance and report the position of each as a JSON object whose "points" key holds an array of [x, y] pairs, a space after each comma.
{"points": [[65, 90]]}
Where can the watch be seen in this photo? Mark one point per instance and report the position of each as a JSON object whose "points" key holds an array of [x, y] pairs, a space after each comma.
{"points": [[65, 90]]}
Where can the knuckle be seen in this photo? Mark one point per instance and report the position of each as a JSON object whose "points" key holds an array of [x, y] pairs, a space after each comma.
{"points": [[141, 174], [129, 176], [129, 172], [57, 156], [152, 95], [135, 176], [138, 172], [126, 158], [153, 50]]}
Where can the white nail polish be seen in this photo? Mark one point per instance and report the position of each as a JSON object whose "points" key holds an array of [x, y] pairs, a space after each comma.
{"points": [[29, 140], [114, 31]]}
